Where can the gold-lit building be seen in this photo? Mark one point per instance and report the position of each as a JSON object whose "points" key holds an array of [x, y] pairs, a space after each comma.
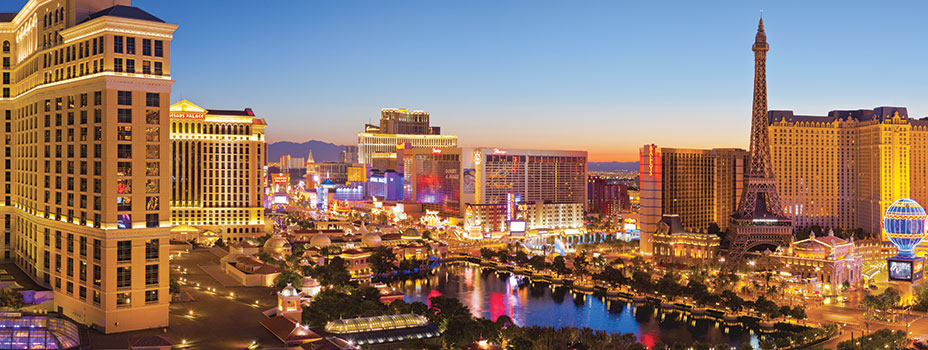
{"points": [[85, 92], [398, 128], [844, 169], [830, 260], [702, 186], [675, 245], [218, 158]]}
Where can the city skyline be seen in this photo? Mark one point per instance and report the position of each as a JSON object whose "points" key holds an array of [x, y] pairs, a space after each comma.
{"points": [[603, 66]]}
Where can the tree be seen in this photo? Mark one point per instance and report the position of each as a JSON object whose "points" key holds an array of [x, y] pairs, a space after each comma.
{"points": [[11, 299], [382, 259], [641, 280], [746, 345], [288, 277], [537, 262], [798, 313], [173, 286], [560, 265], [334, 272]]}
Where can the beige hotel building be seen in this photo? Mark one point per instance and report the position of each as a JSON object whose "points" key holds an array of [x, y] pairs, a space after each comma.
{"points": [[844, 169], [86, 171], [218, 160]]}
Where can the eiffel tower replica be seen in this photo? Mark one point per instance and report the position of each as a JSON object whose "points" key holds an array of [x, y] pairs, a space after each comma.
{"points": [[760, 219]]}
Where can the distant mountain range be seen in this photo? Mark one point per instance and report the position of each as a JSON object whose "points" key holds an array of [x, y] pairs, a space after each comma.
{"points": [[329, 152], [612, 166], [322, 151]]}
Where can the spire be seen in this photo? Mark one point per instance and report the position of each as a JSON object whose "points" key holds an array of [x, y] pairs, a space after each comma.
{"points": [[760, 40]]}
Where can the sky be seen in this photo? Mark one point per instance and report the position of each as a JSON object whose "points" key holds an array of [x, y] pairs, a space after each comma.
{"points": [[602, 76]]}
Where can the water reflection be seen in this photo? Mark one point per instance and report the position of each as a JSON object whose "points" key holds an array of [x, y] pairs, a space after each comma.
{"points": [[490, 294]]}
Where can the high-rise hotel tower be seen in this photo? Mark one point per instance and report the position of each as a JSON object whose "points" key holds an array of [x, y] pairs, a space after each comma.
{"points": [[218, 163], [85, 91]]}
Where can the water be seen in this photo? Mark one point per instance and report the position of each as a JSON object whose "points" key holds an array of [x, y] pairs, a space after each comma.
{"points": [[490, 295]]}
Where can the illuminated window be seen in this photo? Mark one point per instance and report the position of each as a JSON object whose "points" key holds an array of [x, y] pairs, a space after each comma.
{"points": [[152, 169], [153, 116], [124, 168], [124, 133], [153, 134], [123, 203], [153, 151], [124, 186], [152, 186]]}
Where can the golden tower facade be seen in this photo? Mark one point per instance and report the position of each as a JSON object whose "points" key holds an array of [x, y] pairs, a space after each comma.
{"points": [[85, 92]]}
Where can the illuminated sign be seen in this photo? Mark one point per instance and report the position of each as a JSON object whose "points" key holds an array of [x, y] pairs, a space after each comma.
{"points": [[401, 146], [516, 226], [498, 151], [181, 115], [436, 150], [280, 179]]}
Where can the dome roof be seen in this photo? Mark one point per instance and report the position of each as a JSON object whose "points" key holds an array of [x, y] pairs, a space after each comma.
{"points": [[371, 240], [320, 241], [289, 291], [277, 244], [411, 233]]}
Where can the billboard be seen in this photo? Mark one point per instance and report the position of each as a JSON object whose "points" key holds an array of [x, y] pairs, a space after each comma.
{"points": [[470, 181], [906, 269], [517, 226]]}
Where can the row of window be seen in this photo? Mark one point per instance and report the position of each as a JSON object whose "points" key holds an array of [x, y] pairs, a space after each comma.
{"points": [[147, 46]]}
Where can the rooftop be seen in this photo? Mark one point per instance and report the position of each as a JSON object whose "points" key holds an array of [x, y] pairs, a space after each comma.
{"points": [[124, 12]]}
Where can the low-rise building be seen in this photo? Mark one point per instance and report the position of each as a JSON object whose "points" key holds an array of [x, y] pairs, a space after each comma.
{"points": [[830, 260], [675, 245]]}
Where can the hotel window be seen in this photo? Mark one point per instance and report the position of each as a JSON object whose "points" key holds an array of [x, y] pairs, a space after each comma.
{"points": [[124, 168], [159, 48], [123, 277], [153, 116], [97, 275], [97, 99], [97, 249], [146, 47], [124, 133], [117, 64], [124, 151], [123, 203], [123, 221], [70, 267], [151, 220], [124, 115], [83, 293], [151, 275], [123, 250], [152, 186], [151, 296], [83, 246], [130, 66], [124, 98], [153, 151], [153, 134], [122, 299], [130, 45], [159, 68], [124, 186], [152, 99], [146, 67], [152, 169]]}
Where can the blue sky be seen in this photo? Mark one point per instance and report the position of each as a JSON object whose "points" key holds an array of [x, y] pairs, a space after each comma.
{"points": [[603, 76]]}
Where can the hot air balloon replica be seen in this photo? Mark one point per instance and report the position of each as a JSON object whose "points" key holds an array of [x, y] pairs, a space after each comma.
{"points": [[904, 226]]}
